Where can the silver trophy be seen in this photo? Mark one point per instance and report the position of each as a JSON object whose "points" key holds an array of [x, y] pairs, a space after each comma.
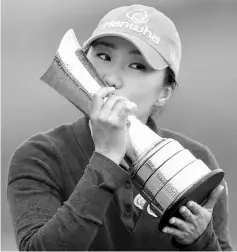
{"points": [[166, 173]]}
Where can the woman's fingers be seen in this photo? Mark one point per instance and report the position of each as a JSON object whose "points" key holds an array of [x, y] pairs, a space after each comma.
{"points": [[108, 120], [195, 208], [187, 214], [173, 231], [98, 99], [110, 105], [180, 224], [113, 110], [121, 111], [213, 197]]}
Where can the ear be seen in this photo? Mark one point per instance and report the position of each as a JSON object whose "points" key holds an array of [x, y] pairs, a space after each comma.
{"points": [[164, 96]]}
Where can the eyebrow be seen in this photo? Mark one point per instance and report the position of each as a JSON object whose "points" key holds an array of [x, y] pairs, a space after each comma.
{"points": [[103, 43], [113, 46], [135, 51]]}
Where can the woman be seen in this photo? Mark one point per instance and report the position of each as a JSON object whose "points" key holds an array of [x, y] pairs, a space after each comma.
{"points": [[69, 188]]}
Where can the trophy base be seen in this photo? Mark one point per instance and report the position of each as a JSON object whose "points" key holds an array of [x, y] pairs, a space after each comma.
{"points": [[198, 192]]}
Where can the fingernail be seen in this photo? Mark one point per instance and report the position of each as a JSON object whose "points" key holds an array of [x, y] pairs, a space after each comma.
{"points": [[133, 107], [164, 230], [112, 88], [133, 104], [172, 221], [190, 203], [182, 210]]}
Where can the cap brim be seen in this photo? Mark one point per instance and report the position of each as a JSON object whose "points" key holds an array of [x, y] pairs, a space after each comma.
{"points": [[152, 56]]}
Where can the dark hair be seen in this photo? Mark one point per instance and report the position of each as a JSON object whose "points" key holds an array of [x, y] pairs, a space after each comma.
{"points": [[170, 78]]}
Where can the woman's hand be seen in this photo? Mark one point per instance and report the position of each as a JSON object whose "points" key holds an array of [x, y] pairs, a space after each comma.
{"points": [[109, 123], [196, 219]]}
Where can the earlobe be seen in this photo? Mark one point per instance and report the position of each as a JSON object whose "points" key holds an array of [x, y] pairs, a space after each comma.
{"points": [[164, 96]]}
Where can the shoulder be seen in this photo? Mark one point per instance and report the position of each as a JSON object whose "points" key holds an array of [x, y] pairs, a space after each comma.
{"points": [[48, 141], [199, 150], [46, 154], [55, 140]]}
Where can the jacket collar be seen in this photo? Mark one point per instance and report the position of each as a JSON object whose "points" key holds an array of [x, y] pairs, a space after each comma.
{"points": [[83, 136]]}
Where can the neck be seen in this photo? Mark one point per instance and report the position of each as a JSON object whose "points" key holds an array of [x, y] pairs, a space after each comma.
{"points": [[143, 119]]}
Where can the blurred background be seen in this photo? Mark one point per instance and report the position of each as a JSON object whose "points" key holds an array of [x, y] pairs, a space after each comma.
{"points": [[204, 106]]}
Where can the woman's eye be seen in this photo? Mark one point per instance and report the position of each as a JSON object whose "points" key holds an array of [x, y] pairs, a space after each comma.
{"points": [[137, 66], [104, 56]]}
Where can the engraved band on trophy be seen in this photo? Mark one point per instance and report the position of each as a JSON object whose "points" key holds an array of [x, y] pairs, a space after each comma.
{"points": [[166, 173]]}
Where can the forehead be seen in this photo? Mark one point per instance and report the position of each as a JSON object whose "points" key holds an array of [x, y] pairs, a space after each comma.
{"points": [[116, 43]]}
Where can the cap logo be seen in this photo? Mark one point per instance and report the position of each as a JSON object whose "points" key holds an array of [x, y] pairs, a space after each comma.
{"points": [[138, 16]]}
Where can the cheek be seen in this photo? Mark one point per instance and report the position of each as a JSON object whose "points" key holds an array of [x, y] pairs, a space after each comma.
{"points": [[147, 89], [144, 92]]}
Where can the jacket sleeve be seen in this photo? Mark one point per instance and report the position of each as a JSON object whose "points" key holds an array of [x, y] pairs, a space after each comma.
{"points": [[41, 220], [221, 211]]}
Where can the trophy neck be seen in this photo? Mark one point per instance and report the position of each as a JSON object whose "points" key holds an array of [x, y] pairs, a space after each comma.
{"points": [[142, 138]]}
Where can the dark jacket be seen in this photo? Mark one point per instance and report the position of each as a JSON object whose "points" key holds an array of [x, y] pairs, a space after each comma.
{"points": [[65, 196]]}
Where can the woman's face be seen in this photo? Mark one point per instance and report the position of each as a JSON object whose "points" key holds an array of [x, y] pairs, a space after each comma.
{"points": [[121, 65]]}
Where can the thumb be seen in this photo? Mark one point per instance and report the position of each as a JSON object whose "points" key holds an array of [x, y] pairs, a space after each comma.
{"points": [[213, 197]]}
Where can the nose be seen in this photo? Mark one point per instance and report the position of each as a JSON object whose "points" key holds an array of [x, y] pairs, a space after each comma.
{"points": [[113, 80]]}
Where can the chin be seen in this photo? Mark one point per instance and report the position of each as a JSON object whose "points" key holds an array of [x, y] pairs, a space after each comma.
{"points": [[142, 118]]}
